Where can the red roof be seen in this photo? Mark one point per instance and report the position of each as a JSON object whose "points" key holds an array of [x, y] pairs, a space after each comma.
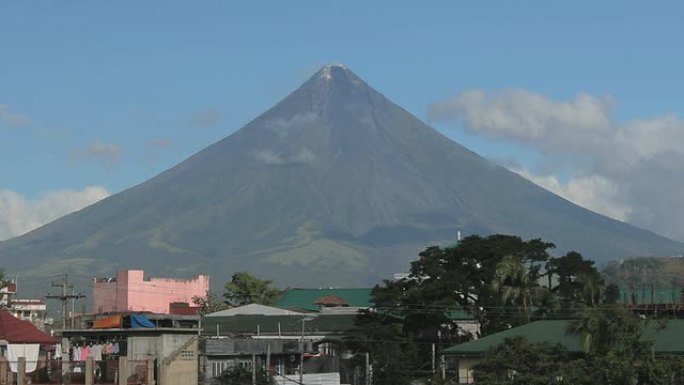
{"points": [[182, 308], [331, 300], [16, 331]]}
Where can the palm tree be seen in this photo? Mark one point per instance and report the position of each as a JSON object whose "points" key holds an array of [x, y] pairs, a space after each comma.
{"points": [[515, 283], [591, 287], [588, 326], [607, 328]]}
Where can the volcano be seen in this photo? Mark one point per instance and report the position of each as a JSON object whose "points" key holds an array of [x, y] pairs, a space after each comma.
{"points": [[333, 186]]}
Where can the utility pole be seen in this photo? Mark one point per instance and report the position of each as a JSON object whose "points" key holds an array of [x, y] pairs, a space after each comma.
{"points": [[268, 362], [64, 297], [73, 308], [443, 366], [254, 380], [433, 359], [301, 356]]}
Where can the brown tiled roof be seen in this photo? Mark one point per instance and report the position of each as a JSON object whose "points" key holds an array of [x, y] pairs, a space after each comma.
{"points": [[14, 330], [182, 308]]}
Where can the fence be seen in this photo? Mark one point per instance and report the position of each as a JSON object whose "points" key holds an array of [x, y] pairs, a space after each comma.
{"points": [[87, 372], [309, 379]]}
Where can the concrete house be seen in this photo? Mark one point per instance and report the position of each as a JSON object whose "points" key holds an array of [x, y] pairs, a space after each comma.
{"points": [[286, 343], [135, 347], [130, 291]]}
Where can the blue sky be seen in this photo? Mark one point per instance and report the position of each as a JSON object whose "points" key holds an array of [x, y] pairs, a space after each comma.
{"points": [[106, 95]]}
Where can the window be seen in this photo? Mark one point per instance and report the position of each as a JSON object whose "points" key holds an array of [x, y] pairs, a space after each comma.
{"points": [[327, 348], [217, 368], [187, 355]]}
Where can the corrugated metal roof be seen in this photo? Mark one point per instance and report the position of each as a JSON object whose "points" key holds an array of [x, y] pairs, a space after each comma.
{"points": [[305, 298], [253, 309], [286, 325]]}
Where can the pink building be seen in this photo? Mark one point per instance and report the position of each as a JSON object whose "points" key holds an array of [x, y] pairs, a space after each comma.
{"points": [[129, 291]]}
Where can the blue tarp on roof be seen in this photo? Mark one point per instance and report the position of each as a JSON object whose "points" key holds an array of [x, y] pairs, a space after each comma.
{"points": [[140, 321]]}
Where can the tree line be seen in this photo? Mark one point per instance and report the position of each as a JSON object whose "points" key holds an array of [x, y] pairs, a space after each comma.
{"points": [[500, 281], [503, 281]]}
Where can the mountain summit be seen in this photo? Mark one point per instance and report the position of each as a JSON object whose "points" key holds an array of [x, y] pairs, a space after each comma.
{"points": [[334, 185]]}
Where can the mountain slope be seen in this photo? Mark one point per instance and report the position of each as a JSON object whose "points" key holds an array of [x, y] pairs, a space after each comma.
{"points": [[335, 185]]}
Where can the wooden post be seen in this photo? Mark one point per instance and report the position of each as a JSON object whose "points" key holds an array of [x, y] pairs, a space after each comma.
{"points": [[3, 372], [443, 366], [89, 380], [161, 374], [253, 369], [433, 360], [65, 361], [123, 371], [368, 380], [149, 376], [21, 371], [268, 361]]}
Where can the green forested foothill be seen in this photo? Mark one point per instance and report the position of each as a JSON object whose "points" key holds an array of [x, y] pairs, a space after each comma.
{"points": [[646, 272]]}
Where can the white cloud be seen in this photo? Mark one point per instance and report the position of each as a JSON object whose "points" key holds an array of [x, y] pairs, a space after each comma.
{"points": [[13, 118], [19, 215], [594, 192], [527, 116], [628, 170]]}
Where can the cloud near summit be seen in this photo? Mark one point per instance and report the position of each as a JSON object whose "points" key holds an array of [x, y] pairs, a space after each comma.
{"points": [[627, 170]]}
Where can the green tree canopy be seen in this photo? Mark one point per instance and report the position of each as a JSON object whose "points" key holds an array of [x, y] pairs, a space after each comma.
{"points": [[391, 351], [210, 303], [244, 289], [458, 279], [579, 283], [517, 361], [461, 278]]}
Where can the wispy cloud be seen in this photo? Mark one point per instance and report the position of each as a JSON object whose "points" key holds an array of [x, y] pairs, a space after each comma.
{"points": [[105, 153], [19, 215], [206, 118], [11, 117], [301, 157], [628, 170], [158, 143]]}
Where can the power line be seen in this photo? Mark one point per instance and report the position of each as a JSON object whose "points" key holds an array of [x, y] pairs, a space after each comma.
{"points": [[64, 297]]}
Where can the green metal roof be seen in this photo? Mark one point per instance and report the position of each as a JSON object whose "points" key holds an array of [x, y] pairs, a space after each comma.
{"points": [[305, 298], [669, 339], [289, 325], [539, 331], [460, 315]]}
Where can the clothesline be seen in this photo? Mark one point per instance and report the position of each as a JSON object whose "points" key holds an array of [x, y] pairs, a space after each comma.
{"points": [[96, 351]]}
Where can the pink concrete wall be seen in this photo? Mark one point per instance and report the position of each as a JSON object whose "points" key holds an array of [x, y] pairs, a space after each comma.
{"points": [[133, 293], [104, 296]]}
